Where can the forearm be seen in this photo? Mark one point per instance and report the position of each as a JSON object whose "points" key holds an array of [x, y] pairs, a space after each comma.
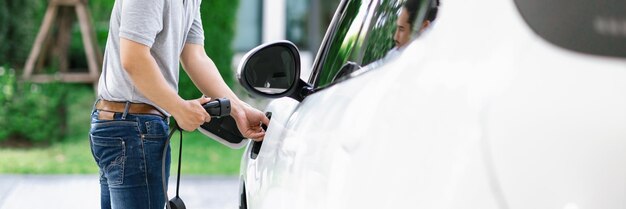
{"points": [[207, 78], [146, 76], [205, 75]]}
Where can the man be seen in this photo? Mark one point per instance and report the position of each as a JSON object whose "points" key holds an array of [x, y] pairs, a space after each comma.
{"points": [[138, 93], [404, 31], [402, 36]]}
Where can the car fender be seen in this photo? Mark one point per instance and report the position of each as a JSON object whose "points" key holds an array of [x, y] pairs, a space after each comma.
{"points": [[281, 110]]}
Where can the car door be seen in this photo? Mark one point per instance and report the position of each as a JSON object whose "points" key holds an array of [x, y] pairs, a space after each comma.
{"points": [[361, 32], [494, 118]]}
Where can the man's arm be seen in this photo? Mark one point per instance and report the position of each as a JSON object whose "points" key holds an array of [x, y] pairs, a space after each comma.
{"points": [[207, 78], [146, 76]]}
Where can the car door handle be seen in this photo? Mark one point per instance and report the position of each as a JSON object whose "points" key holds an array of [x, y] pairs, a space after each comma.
{"points": [[256, 146]]}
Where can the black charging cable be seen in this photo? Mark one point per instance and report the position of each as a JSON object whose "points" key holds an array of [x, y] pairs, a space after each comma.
{"points": [[216, 108], [176, 202]]}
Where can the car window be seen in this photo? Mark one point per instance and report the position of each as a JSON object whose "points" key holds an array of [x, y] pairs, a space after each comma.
{"points": [[377, 37], [342, 42], [364, 34]]}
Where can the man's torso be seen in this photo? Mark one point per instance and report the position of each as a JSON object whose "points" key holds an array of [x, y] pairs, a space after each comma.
{"points": [[163, 25]]}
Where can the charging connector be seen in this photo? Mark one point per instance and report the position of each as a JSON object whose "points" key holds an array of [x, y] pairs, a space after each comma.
{"points": [[216, 108]]}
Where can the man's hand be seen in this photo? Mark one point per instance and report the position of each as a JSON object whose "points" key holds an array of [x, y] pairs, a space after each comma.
{"points": [[207, 78], [190, 114], [249, 121]]}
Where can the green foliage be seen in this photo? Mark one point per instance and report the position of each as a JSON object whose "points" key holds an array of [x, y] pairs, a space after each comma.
{"points": [[218, 21], [33, 108], [101, 11], [7, 85], [33, 112], [383, 31], [100, 15], [73, 156], [341, 44], [19, 23]]}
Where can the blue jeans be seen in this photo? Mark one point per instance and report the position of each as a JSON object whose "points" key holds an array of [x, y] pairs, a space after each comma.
{"points": [[128, 151]]}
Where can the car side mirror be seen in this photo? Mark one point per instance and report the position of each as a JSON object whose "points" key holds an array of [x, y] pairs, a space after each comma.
{"points": [[273, 70]]}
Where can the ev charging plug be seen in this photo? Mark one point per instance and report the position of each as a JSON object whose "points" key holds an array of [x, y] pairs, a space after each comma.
{"points": [[216, 108]]}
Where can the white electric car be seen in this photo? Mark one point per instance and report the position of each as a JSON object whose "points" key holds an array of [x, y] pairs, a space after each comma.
{"points": [[510, 104]]}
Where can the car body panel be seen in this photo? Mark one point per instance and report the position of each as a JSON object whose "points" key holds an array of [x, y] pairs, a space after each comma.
{"points": [[352, 21], [267, 155], [467, 117]]}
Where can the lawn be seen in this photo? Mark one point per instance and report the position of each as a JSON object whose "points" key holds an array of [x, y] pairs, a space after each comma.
{"points": [[72, 155], [200, 156]]}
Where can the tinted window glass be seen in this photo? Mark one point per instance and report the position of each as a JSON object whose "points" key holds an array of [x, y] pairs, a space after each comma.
{"points": [[378, 38], [365, 34], [343, 41]]}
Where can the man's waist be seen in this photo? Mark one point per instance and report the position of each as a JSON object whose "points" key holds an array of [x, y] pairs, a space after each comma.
{"points": [[128, 107]]}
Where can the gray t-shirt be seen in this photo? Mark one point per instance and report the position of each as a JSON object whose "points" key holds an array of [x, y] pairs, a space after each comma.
{"points": [[164, 26]]}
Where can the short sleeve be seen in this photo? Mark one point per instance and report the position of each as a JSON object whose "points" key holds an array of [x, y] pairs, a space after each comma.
{"points": [[196, 33], [141, 20]]}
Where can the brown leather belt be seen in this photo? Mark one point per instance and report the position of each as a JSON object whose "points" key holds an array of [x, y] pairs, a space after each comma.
{"points": [[134, 108]]}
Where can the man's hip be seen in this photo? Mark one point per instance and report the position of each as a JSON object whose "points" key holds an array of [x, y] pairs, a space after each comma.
{"points": [[111, 107]]}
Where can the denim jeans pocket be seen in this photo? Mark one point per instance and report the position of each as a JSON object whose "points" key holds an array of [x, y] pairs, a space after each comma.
{"points": [[155, 129], [110, 154]]}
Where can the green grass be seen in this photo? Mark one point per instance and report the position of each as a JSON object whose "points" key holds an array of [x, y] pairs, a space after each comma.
{"points": [[201, 155]]}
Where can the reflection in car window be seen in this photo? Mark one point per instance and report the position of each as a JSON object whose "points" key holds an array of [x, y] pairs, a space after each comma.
{"points": [[379, 37], [364, 34], [408, 25], [343, 41]]}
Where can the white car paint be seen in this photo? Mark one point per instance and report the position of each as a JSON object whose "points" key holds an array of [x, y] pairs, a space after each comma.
{"points": [[479, 112]]}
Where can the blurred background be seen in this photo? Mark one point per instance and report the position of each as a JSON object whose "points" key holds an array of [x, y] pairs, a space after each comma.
{"points": [[44, 114], [45, 124]]}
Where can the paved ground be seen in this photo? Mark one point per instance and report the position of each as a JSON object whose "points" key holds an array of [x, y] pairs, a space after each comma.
{"points": [[82, 191]]}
